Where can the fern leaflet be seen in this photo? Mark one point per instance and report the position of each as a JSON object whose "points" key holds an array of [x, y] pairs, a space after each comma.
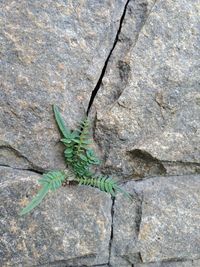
{"points": [[36, 200], [104, 183], [61, 124], [50, 181]]}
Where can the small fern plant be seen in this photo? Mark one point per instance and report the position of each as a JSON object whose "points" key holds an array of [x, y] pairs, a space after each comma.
{"points": [[79, 158]]}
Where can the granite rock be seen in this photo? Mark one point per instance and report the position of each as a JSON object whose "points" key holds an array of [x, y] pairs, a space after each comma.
{"points": [[146, 124], [190, 263], [148, 106], [162, 222], [193, 263], [50, 52], [126, 218], [71, 225]]}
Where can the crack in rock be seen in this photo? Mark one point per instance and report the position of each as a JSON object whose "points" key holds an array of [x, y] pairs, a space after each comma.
{"points": [[13, 155], [97, 87], [111, 230], [21, 169], [63, 263]]}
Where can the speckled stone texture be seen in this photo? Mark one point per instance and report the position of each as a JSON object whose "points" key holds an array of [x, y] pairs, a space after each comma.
{"points": [[146, 127], [148, 108], [50, 52], [192, 263], [72, 224], [161, 224]]}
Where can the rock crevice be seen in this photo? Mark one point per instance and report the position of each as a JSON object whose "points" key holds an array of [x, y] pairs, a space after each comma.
{"points": [[98, 85]]}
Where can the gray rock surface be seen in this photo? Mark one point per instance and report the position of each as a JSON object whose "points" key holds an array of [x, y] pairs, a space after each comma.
{"points": [[148, 107], [50, 52], [126, 219], [194, 263], [170, 219], [161, 224], [146, 125], [71, 225], [64, 264]]}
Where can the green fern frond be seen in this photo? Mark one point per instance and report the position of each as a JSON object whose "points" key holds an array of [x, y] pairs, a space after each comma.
{"points": [[35, 201], [92, 157], [83, 140], [104, 183], [61, 124], [79, 158], [50, 181], [54, 179], [77, 154]]}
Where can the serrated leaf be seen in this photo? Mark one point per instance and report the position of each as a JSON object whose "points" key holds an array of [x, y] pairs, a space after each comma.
{"points": [[66, 141], [68, 150], [84, 158], [102, 184], [110, 188], [76, 141]]}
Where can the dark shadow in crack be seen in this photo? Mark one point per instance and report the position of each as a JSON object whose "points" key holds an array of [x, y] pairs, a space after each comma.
{"points": [[95, 91], [144, 164]]}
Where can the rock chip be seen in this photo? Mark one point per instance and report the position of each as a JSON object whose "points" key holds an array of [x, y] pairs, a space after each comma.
{"points": [[71, 225]]}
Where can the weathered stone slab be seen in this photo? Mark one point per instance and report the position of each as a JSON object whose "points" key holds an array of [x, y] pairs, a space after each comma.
{"points": [[170, 219], [165, 227], [50, 52], [195, 263], [192, 263], [72, 225], [148, 107], [126, 220]]}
